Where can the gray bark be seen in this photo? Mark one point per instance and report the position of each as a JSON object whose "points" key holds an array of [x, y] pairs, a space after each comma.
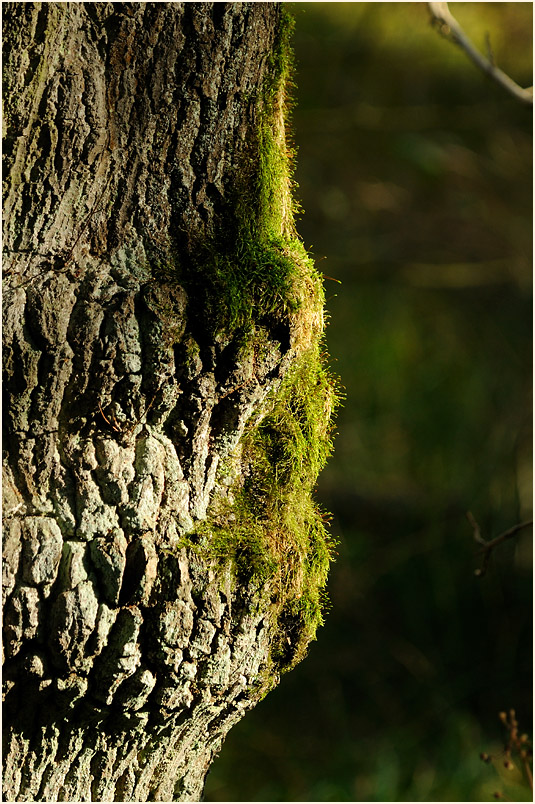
{"points": [[130, 650]]}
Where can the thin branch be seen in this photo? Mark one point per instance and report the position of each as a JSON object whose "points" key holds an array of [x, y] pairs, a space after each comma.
{"points": [[488, 547], [448, 26]]}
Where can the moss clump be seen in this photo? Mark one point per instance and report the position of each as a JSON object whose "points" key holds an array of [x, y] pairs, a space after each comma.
{"points": [[273, 531], [257, 276], [286, 450], [246, 270]]}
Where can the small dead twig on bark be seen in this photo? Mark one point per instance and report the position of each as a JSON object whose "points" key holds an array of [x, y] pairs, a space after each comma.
{"points": [[113, 424], [488, 547], [123, 429], [447, 25]]}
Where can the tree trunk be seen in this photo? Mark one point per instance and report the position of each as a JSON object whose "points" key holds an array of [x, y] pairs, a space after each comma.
{"points": [[167, 409]]}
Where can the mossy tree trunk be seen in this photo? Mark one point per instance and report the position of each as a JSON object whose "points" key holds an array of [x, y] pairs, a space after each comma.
{"points": [[167, 410]]}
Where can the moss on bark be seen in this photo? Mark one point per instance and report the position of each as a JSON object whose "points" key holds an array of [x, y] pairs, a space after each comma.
{"points": [[256, 272]]}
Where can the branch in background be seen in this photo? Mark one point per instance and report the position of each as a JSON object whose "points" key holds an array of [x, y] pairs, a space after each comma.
{"points": [[443, 19], [488, 547]]}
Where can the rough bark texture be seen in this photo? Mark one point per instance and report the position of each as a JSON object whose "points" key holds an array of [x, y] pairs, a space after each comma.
{"points": [[129, 652]]}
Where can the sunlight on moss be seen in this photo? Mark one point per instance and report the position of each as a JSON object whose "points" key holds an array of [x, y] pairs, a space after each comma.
{"points": [[274, 531], [257, 277]]}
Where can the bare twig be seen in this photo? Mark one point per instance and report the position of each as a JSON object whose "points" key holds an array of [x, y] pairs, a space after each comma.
{"points": [[448, 26], [13, 510], [125, 431], [488, 547], [117, 429]]}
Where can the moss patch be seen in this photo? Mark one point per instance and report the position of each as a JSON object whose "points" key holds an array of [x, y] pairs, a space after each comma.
{"points": [[273, 532], [257, 276], [252, 265], [286, 450], [247, 268]]}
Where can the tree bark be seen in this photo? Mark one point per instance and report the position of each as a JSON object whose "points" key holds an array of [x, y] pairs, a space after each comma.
{"points": [[161, 564]]}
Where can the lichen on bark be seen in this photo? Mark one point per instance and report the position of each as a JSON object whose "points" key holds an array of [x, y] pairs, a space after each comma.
{"points": [[168, 407]]}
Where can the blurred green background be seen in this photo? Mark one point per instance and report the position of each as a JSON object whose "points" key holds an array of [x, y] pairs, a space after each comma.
{"points": [[415, 174]]}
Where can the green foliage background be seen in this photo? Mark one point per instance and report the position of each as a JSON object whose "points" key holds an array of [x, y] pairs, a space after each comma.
{"points": [[415, 173]]}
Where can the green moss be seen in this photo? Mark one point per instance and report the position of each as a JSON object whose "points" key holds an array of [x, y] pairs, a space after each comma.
{"points": [[255, 279], [246, 269], [257, 274], [272, 532], [286, 451]]}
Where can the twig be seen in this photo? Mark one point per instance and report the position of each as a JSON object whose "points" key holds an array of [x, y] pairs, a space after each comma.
{"points": [[13, 510], [488, 547], [117, 429], [448, 26], [120, 429]]}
